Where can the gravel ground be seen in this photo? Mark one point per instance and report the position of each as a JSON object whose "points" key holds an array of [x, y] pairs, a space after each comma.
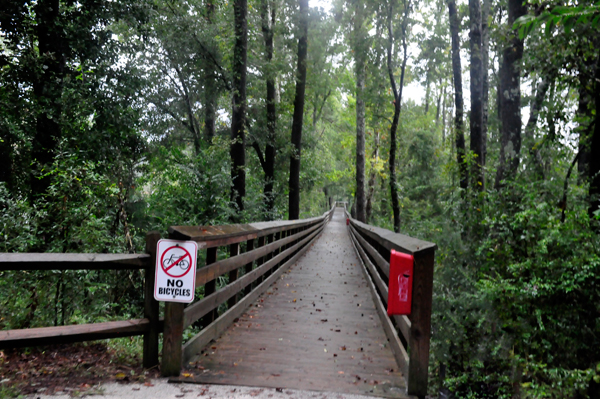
{"points": [[161, 389]]}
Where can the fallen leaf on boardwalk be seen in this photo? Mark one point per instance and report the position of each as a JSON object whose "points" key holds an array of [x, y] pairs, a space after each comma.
{"points": [[323, 320], [263, 349], [255, 392], [343, 347], [335, 355], [294, 300], [120, 376], [180, 396], [340, 372], [235, 364], [325, 350], [147, 384], [187, 375], [279, 389], [276, 375]]}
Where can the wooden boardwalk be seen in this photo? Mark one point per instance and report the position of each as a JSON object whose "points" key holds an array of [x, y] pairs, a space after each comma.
{"points": [[316, 328]]}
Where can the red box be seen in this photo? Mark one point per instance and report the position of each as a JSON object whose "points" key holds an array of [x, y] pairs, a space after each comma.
{"points": [[347, 221], [400, 283]]}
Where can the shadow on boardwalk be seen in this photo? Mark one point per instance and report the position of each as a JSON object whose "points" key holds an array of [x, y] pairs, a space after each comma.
{"points": [[316, 329]]}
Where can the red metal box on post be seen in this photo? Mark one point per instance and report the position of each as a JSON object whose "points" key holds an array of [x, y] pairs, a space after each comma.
{"points": [[400, 283]]}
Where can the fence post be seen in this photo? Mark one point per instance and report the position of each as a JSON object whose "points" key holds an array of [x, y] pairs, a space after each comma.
{"points": [[234, 250], [172, 355], [151, 306], [172, 340], [420, 331]]}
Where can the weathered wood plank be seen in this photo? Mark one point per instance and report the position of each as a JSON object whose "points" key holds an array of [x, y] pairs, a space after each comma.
{"points": [[215, 236], [384, 265], [402, 322], [172, 339], [69, 261], [73, 333], [420, 332], [221, 267], [151, 306], [210, 286], [395, 344], [200, 308], [194, 345], [391, 240]]}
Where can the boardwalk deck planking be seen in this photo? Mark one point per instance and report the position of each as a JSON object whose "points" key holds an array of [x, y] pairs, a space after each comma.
{"points": [[316, 328]]}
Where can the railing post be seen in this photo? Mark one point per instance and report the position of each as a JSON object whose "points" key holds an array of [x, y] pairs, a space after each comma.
{"points": [[234, 250], [210, 287], [151, 306], [172, 339], [420, 331], [248, 267]]}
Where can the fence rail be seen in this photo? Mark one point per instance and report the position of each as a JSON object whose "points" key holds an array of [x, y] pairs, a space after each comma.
{"points": [[262, 252], [150, 326], [409, 336]]}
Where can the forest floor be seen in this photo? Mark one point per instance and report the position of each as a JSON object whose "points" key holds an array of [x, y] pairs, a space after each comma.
{"points": [[97, 371], [74, 369]]}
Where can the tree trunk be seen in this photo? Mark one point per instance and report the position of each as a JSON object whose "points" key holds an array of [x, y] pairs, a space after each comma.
{"points": [[476, 117], [458, 95], [510, 89], [397, 108], [238, 115], [584, 114], [427, 91], [267, 29], [594, 166], [444, 116], [372, 176], [534, 113], [294, 183], [47, 90], [359, 58], [210, 84], [485, 60]]}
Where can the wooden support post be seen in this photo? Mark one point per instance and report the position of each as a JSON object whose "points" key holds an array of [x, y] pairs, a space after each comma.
{"points": [[151, 306], [248, 267], [260, 261], [234, 250], [172, 340], [210, 287], [420, 331]]}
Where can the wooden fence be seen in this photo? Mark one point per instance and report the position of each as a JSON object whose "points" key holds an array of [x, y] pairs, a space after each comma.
{"points": [[409, 336], [269, 249], [150, 326]]}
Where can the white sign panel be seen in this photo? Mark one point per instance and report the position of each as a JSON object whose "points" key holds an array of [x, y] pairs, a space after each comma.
{"points": [[175, 271]]}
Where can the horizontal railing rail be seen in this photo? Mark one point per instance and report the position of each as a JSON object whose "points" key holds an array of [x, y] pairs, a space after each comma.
{"points": [[409, 336], [150, 326], [259, 253]]}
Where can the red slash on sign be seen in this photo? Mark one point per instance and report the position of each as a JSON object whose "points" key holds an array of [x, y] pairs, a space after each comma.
{"points": [[177, 260]]}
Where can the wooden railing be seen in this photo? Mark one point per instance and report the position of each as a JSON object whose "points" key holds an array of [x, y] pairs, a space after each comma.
{"points": [[261, 251], [409, 336], [150, 326]]}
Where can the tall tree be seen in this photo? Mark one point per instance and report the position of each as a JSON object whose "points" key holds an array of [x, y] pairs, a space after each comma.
{"points": [[238, 114], [297, 121], [485, 86], [270, 152], [458, 95], [360, 54], [47, 88], [476, 116], [510, 93], [397, 92]]}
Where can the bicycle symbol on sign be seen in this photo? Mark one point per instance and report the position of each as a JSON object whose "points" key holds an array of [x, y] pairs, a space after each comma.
{"points": [[184, 263]]}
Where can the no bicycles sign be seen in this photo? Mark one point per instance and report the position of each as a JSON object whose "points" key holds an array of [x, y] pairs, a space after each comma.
{"points": [[175, 271]]}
